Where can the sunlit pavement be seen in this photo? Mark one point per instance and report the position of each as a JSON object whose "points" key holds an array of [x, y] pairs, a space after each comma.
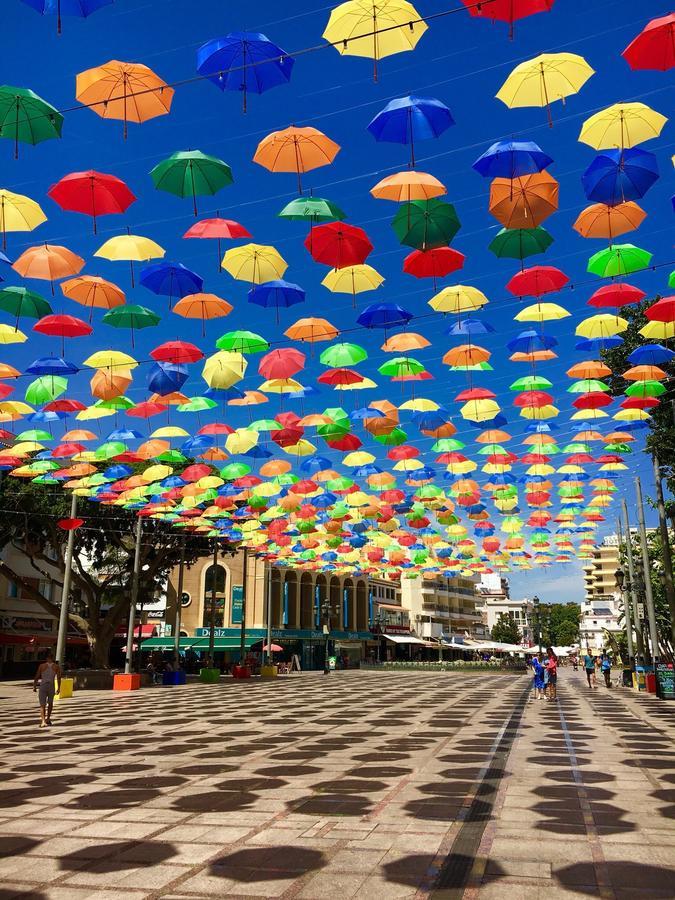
{"points": [[354, 785]]}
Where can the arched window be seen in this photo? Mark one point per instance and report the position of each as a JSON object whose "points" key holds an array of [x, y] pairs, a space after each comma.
{"points": [[217, 572]]}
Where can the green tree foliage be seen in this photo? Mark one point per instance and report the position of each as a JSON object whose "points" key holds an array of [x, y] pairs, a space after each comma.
{"points": [[102, 559], [661, 608], [505, 630], [559, 623]]}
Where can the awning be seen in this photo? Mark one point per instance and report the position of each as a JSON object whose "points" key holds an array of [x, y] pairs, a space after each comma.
{"points": [[11, 638], [166, 643], [226, 643], [403, 639], [396, 606], [147, 631], [350, 645]]}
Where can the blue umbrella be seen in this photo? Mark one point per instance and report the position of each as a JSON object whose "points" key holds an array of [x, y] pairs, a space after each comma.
{"points": [[431, 420], [312, 464], [244, 61], [651, 355], [52, 365], [409, 119], [469, 327], [596, 345], [41, 416], [124, 434], [530, 341], [509, 159], [170, 279], [276, 293], [164, 377], [616, 176], [58, 8], [384, 315], [197, 444]]}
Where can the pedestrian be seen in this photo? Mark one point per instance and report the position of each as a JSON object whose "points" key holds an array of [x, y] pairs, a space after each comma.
{"points": [[538, 679], [606, 666], [48, 677], [552, 669], [589, 666]]}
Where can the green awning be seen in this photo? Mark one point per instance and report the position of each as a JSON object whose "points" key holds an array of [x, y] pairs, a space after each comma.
{"points": [[224, 643], [166, 643]]}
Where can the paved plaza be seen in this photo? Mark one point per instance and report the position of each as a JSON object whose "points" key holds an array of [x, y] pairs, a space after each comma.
{"points": [[361, 784]]}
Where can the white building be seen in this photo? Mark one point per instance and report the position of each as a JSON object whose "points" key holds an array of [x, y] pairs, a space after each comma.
{"points": [[602, 605], [493, 600]]}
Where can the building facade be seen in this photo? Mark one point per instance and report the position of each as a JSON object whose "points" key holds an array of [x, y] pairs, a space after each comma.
{"points": [[602, 604], [493, 600], [442, 606]]}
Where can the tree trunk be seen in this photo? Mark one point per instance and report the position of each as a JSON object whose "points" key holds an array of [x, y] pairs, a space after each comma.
{"points": [[99, 646]]}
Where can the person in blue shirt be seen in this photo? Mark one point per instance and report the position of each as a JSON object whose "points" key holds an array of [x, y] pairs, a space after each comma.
{"points": [[589, 668], [606, 667], [538, 680]]}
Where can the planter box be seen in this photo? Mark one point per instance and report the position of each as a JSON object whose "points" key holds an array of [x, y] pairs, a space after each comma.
{"points": [[65, 689], [209, 676], [173, 677], [131, 682], [241, 672], [268, 671]]}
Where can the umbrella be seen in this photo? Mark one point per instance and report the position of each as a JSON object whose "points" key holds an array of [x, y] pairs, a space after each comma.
{"points": [[662, 311], [608, 222], [435, 263], [255, 263], [219, 229], [508, 10], [45, 388], [343, 355], [58, 8], [547, 77], [457, 299], [654, 47], [353, 280], [509, 159], [519, 243], [282, 363], [620, 259], [62, 326], [384, 315], [177, 352], [315, 209], [276, 293], [18, 213], [92, 193], [21, 302], [426, 224], [244, 61], [536, 281], [202, 306], [616, 295], [131, 316], [616, 176], [310, 330], [242, 342], [338, 245], [131, 247], [404, 187], [295, 150], [409, 119], [92, 291], [525, 201], [170, 280], [128, 91], [191, 173], [374, 29], [48, 262], [622, 125], [27, 118]]}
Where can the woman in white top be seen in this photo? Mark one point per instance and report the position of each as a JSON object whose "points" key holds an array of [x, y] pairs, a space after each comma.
{"points": [[49, 677]]}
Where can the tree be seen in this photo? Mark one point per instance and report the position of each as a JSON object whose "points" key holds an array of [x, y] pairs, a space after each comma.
{"points": [[505, 630], [559, 623], [103, 556]]}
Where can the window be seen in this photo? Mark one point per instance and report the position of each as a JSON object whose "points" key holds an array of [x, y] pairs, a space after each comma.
{"points": [[219, 572]]}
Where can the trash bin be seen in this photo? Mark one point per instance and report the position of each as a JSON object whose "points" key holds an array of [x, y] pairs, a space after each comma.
{"points": [[627, 678], [65, 689], [650, 682], [640, 678]]}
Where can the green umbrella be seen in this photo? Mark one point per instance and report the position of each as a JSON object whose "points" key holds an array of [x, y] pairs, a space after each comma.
{"points": [[645, 389], [575, 447], [45, 389], [342, 483], [27, 118], [286, 478], [191, 173], [519, 243], [234, 470], [337, 414], [586, 385], [531, 383], [333, 431], [171, 456], [620, 259], [120, 402], [35, 434], [243, 342], [444, 445], [19, 301], [425, 224], [343, 355], [45, 479], [44, 465], [476, 367], [401, 366], [197, 404], [316, 209], [131, 315], [393, 438], [617, 448], [110, 449], [265, 425], [490, 449], [671, 279]]}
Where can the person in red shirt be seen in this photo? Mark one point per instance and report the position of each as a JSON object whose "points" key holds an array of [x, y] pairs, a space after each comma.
{"points": [[552, 668]]}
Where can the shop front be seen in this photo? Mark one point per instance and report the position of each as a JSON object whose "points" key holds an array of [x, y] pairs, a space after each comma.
{"points": [[25, 639]]}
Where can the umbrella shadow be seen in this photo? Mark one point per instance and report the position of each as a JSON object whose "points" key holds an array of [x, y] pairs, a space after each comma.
{"points": [[267, 863]]}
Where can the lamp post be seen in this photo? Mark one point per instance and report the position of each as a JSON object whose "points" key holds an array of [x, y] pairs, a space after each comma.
{"points": [[326, 610], [380, 620], [537, 621], [624, 588]]}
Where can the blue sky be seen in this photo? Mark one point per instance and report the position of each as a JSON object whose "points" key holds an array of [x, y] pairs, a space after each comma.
{"points": [[460, 60]]}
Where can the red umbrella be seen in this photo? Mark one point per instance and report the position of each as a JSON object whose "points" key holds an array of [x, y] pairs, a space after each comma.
{"points": [[63, 404], [339, 377], [288, 419], [146, 409], [195, 472], [216, 428], [287, 437], [346, 444], [92, 193], [69, 449], [533, 399], [283, 363], [654, 47], [338, 245], [616, 295], [5, 391], [592, 400], [62, 326], [662, 311], [475, 394], [403, 451], [434, 264], [508, 10], [537, 280], [70, 524], [217, 229], [639, 403], [177, 352], [304, 487]]}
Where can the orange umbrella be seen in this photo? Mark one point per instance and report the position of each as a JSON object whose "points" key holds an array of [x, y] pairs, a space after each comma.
{"points": [[275, 467], [447, 429], [107, 384], [7, 371], [79, 435], [523, 202], [312, 330], [48, 262], [535, 356], [93, 291], [202, 306], [128, 91], [405, 186], [466, 355], [589, 369], [214, 454], [407, 340], [645, 373], [175, 398], [608, 222], [493, 436], [295, 150], [152, 448], [250, 398]]}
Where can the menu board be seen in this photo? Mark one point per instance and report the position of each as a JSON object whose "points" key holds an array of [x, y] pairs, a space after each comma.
{"points": [[665, 681]]}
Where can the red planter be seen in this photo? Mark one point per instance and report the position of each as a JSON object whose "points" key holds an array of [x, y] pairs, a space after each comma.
{"points": [[241, 672], [123, 682]]}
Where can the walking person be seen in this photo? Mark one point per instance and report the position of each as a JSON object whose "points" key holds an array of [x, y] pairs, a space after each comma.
{"points": [[538, 679], [606, 666], [552, 669], [49, 677], [589, 667]]}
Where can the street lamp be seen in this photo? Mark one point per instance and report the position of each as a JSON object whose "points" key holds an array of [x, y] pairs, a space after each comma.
{"points": [[536, 602], [380, 620], [326, 610], [624, 588]]}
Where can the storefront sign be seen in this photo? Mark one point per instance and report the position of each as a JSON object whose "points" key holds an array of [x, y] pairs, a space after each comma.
{"points": [[237, 603], [21, 624], [665, 681]]}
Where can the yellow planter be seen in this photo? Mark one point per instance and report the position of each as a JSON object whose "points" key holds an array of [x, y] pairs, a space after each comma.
{"points": [[65, 689], [268, 671]]}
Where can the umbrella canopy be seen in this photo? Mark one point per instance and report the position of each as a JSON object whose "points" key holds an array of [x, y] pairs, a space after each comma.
{"points": [[621, 259], [622, 125], [130, 92], [202, 306], [27, 118], [59, 8], [255, 263], [92, 194], [20, 302], [245, 61], [608, 222], [409, 119], [18, 213], [48, 262], [616, 176], [132, 316], [277, 293], [191, 173], [544, 79], [93, 292], [403, 187], [312, 209], [509, 159], [170, 280], [426, 224], [311, 330], [519, 243], [435, 263], [353, 279], [338, 245], [524, 202], [508, 10], [536, 281], [654, 47], [296, 150]]}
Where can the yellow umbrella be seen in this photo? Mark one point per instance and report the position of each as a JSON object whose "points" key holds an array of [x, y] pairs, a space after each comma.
{"points": [[374, 28], [10, 335], [18, 213], [128, 91], [630, 415], [541, 312], [131, 247], [280, 386], [241, 441], [603, 325], [256, 263], [302, 448], [621, 125], [547, 77], [156, 473], [224, 368], [169, 431], [479, 410], [420, 404], [94, 412], [358, 458], [660, 331], [540, 412], [110, 359], [353, 280], [458, 298]]}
